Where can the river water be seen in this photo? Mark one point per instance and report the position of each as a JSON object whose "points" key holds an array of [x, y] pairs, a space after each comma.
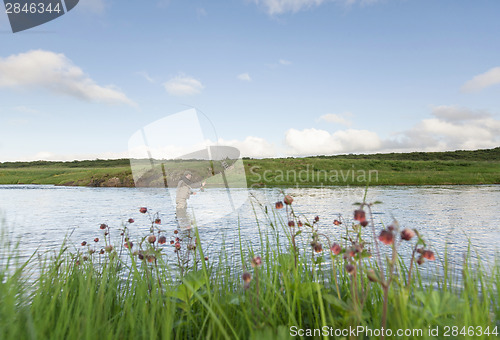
{"points": [[449, 217]]}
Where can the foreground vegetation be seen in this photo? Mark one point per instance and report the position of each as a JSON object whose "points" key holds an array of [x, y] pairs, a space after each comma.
{"points": [[418, 168], [295, 280]]}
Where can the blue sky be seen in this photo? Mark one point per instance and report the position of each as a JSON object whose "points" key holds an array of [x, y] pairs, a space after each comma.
{"points": [[275, 77]]}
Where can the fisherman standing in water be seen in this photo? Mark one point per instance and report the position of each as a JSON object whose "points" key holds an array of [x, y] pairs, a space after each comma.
{"points": [[184, 191]]}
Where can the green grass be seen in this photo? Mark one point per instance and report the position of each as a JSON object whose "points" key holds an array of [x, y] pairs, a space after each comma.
{"points": [[113, 297], [438, 168], [63, 175]]}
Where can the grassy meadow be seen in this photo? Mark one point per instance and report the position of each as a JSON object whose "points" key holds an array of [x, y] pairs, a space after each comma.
{"points": [[419, 168]]}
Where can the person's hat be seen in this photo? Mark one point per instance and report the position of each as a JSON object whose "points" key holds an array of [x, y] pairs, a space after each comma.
{"points": [[187, 173]]}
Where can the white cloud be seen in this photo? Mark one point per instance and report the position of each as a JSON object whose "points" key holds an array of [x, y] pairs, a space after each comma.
{"points": [[452, 128], [455, 113], [282, 6], [285, 62], [482, 81], [244, 77], [321, 142], [146, 76], [182, 85], [54, 72], [249, 147], [449, 128], [252, 147], [337, 119], [95, 6]]}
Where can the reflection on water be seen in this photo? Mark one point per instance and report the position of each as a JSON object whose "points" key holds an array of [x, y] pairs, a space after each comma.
{"points": [[447, 216]]}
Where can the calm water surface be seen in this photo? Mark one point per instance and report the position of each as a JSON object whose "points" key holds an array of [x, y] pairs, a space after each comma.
{"points": [[447, 216]]}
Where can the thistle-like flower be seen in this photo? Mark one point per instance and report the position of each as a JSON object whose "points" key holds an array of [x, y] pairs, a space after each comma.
{"points": [[359, 215], [407, 234], [336, 249], [386, 237], [256, 261]]}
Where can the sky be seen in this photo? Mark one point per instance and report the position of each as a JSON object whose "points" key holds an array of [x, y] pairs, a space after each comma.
{"points": [[273, 77]]}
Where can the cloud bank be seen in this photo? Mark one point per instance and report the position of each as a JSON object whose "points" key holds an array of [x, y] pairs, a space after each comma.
{"points": [[449, 128]]}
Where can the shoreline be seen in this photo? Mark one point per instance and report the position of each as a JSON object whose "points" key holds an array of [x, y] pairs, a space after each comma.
{"points": [[477, 167]]}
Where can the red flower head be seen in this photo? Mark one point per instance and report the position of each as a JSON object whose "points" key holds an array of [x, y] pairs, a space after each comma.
{"points": [[279, 205], [256, 261], [84, 243], [407, 234], [318, 248], [352, 252], [386, 237], [288, 200], [316, 219], [178, 246], [157, 221], [143, 210], [103, 226], [128, 245], [96, 239], [350, 269], [131, 220], [429, 255], [336, 249], [172, 242], [291, 223], [337, 222], [359, 215], [162, 240], [246, 277], [151, 238]]}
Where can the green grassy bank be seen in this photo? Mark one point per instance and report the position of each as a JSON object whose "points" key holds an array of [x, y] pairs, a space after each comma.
{"points": [[419, 168]]}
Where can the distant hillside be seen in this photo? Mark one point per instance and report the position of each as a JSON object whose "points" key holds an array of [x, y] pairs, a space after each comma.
{"points": [[464, 155]]}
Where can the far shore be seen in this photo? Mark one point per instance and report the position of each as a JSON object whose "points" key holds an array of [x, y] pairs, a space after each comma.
{"points": [[418, 168]]}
